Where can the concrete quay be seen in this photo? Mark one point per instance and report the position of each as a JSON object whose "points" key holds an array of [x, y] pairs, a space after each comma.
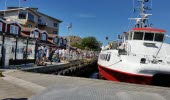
{"points": [[35, 86], [72, 68]]}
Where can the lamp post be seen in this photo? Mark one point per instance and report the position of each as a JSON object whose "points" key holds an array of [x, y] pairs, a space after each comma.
{"points": [[69, 28]]}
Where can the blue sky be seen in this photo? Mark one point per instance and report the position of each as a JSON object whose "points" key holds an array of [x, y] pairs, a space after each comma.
{"points": [[99, 18]]}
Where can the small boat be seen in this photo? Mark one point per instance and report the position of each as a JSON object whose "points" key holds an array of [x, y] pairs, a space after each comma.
{"points": [[141, 57]]}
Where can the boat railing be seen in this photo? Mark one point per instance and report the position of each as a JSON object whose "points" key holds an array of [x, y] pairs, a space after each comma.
{"points": [[128, 48]]}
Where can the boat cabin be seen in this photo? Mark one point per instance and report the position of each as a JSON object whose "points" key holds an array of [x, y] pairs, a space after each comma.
{"points": [[146, 34]]}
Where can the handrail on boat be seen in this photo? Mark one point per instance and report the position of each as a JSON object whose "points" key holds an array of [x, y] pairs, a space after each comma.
{"points": [[128, 48]]}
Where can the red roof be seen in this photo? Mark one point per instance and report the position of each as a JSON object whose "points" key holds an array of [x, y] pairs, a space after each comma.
{"points": [[52, 35], [27, 29], [149, 29], [24, 35], [51, 41]]}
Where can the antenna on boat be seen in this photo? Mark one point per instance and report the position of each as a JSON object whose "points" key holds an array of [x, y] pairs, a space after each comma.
{"points": [[141, 22]]}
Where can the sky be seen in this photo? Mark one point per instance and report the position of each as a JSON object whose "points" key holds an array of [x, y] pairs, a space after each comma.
{"points": [[98, 18]]}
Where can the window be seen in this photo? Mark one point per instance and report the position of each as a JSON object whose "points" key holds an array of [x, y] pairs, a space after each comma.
{"points": [[159, 37], [130, 35], [55, 24], [149, 36], [54, 32], [16, 30], [30, 17], [29, 25], [56, 40], [138, 36], [0, 26], [61, 40], [36, 34], [65, 41], [126, 36], [32, 34], [43, 37], [39, 20], [13, 29], [22, 15]]}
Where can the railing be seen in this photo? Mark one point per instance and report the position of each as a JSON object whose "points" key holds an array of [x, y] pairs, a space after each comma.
{"points": [[128, 48], [41, 23]]}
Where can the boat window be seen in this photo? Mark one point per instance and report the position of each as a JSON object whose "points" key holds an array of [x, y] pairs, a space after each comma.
{"points": [[159, 37], [126, 36], [138, 36], [149, 36], [130, 35]]}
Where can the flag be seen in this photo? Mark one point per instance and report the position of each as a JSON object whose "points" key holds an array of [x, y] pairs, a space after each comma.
{"points": [[69, 26]]}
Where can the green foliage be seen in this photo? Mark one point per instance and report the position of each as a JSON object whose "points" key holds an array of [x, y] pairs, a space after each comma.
{"points": [[91, 43], [77, 45], [88, 43]]}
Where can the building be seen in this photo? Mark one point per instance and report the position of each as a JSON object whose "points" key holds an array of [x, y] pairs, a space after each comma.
{"points": [[22, 30], [32, 18]]}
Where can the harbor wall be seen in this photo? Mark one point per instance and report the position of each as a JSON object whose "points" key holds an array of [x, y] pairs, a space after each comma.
{"points": [[73, 68]]}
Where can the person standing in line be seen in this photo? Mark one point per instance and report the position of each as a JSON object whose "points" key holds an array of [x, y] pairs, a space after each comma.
{"points": [[60, 54], [38, 56], [45, 52], [64, 54], [67, 54], [51, 52], [71, 54]]}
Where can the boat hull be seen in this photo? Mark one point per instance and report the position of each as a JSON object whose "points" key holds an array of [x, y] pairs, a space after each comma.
{"points": [[115, 75]]}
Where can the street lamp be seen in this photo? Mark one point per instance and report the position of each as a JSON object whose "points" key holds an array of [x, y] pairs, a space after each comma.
{"points": [[69, 28]]}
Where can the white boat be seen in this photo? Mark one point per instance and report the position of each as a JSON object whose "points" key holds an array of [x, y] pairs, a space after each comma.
{"points": [[142, 57]]}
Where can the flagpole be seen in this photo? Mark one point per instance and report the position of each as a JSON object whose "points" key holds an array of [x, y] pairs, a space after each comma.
{"points": [[68, 38], [19, 3], [5, 7]]}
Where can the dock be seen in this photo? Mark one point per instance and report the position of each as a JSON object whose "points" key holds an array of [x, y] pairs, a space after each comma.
{"points": [[20, 85]]}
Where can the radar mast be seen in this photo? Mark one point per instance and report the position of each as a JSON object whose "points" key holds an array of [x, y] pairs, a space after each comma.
{"points": [[141, 22]]}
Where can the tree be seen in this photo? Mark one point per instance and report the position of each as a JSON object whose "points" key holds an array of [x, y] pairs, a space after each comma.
{"points": [[77, 45], [91, 43]]}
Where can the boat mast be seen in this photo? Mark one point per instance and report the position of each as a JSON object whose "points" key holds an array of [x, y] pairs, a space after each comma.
{"points": [[141, 22], [143, 15], [143, 12]]}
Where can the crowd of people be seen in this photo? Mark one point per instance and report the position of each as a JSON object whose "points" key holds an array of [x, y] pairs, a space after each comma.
{"points": [[57, 55]]}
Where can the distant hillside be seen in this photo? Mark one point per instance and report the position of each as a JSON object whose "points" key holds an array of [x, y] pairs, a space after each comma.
{"points": [[74, 39]]}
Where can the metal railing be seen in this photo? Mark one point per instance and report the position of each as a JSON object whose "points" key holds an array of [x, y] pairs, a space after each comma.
{"points": [[128, 48]]}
